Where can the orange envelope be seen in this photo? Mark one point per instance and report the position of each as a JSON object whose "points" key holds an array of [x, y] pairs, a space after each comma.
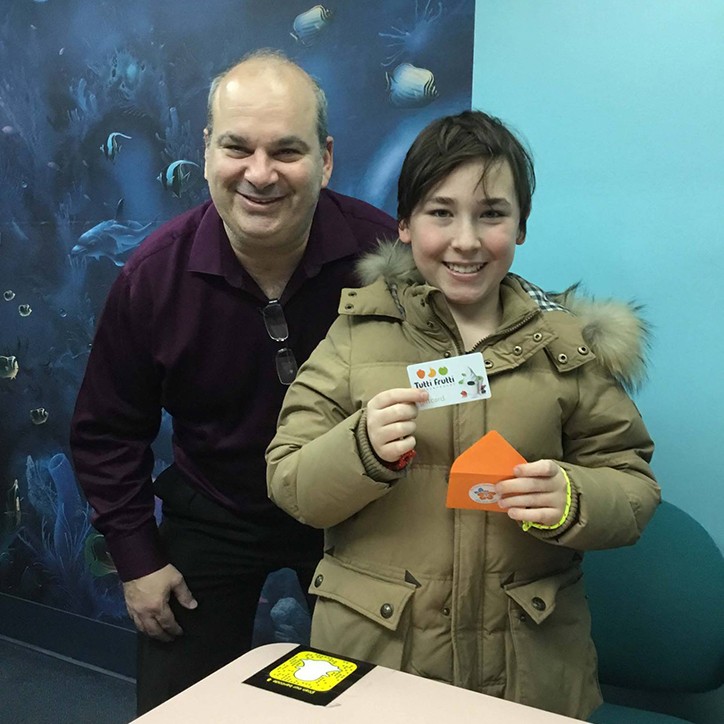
{"points": [[476, 471]]}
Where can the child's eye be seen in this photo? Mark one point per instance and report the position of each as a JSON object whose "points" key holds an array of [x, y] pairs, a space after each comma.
{"points": [[492, 214], [440, 213]]}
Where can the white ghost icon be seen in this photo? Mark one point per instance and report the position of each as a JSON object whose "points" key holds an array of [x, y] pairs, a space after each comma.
{"points": [[313, 669]]}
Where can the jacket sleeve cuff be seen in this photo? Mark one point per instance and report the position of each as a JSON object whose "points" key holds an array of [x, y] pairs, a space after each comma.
{"points": [[374, 467], [570, 515]]}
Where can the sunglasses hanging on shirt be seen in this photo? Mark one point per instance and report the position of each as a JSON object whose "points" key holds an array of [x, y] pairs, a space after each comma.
{"points": [[276, 327]]}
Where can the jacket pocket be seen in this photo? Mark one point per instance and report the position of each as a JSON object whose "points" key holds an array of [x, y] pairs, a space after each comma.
{"points": [[550, 658], [360, 614]]}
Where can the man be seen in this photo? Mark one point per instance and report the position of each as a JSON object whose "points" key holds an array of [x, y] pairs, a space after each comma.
{"points": [[209, 320]]}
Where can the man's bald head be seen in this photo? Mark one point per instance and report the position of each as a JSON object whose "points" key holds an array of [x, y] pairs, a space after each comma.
{"points": [[269, 60]]}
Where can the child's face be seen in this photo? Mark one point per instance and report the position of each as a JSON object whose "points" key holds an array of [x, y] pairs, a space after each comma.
{"points": [[463, 237]]}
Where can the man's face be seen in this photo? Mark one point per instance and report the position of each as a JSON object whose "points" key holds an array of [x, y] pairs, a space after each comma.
{"points": [[264, 165]]}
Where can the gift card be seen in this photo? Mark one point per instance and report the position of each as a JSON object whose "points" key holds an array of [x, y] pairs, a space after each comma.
{"points": [[451, 381]]}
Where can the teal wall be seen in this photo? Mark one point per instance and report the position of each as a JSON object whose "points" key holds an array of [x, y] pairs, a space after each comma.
{"points": [[622, 102]]}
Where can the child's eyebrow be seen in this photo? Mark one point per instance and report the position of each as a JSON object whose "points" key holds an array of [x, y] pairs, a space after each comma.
{"points": [[493, 200], [440, 200], [486, 200]]}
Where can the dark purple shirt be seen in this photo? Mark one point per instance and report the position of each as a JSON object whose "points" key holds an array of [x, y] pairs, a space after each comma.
{"points": [[182, 330]]}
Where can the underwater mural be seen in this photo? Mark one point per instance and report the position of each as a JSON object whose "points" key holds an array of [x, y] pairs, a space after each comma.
{"points": [[102, 108]]}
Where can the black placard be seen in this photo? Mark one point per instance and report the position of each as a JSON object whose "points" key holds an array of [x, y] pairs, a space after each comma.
{"points": [[310, 675]]}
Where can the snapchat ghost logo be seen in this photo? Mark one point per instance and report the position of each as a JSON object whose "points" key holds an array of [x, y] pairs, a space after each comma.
{"points": [[314, 669]]}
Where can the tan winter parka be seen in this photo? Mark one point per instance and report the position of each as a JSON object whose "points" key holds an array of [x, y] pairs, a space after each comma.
{"points": [[462, 596]]}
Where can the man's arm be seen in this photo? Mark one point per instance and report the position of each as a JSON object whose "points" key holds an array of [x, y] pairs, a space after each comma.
{"points": [[116, 418]]}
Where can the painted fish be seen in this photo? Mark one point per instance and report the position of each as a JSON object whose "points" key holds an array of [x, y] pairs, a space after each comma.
{"points": [[8, 295], [174, 178], [9, 368], [24, 310], [111, 146], [307, 25], [97, 556], [39, 416], [111, 239], [411, 87]]}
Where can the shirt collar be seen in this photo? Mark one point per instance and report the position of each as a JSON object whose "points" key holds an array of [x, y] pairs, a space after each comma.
{"points": [[330, 238]]}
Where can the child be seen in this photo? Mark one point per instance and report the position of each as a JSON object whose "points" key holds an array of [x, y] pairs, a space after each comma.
{"points": [[486, 601]]}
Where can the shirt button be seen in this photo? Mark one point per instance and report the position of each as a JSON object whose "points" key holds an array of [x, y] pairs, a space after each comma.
{"points": [[447, 355], [538, 604], [431, 325], [318, 580], [386, 610], [522, 617], [446, 611], [488, 363], [537, 337], [563, 358], [518, 350]]}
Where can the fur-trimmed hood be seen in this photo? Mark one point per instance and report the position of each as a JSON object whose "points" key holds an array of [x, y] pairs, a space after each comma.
{"points": [[615, 331]]}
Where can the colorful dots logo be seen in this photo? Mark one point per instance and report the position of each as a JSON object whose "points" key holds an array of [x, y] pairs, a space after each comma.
{"points": [[432, 372]]}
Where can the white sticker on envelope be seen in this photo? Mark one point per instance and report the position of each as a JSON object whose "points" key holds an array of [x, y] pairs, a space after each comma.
{"points": [[452, 380]]}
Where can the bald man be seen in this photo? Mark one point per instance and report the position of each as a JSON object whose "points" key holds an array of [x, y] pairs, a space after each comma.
{"points": [[209, 320]]}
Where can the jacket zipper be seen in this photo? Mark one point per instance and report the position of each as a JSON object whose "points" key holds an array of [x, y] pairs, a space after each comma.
{"points": [[508, 330]]}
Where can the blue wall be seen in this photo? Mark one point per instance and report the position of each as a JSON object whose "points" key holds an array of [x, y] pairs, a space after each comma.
{"points": [[622, 103]]}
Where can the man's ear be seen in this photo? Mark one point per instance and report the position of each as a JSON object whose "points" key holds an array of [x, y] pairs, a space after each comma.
{"points": [[403, 231], [207, 143], [327, 161]]}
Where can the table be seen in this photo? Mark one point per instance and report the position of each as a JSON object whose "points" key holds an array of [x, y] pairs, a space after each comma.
{"points": [[383, 696]]}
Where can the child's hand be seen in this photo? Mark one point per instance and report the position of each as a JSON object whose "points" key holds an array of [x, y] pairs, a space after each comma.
{"points": [[391, 422], [537, 494]]}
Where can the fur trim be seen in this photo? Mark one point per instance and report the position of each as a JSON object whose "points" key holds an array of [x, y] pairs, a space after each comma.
{"points": [[391, 260], [615, 331]]}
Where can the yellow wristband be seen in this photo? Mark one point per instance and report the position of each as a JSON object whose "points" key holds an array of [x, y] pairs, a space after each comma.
{"points": [[528, 525]]}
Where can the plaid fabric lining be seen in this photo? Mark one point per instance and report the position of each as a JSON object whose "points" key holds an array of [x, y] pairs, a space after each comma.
{"points": [[544, 302]]}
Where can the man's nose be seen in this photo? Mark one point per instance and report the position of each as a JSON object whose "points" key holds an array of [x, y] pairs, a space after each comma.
{"points": [[260, 170]]}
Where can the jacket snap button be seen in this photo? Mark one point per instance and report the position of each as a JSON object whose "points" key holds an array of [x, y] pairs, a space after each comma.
{"points": [[522, 617], [352, 294], [431, 325], [318, 580], [517, 349], [446, 611], [349, 306], [538, 604], [447, 355], [537, 337], [563, 358], [488, 363], [387, 610], [583, 349]]}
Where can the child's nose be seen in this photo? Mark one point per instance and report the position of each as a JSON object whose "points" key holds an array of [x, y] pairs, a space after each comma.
{"points": [[466, 237]]}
